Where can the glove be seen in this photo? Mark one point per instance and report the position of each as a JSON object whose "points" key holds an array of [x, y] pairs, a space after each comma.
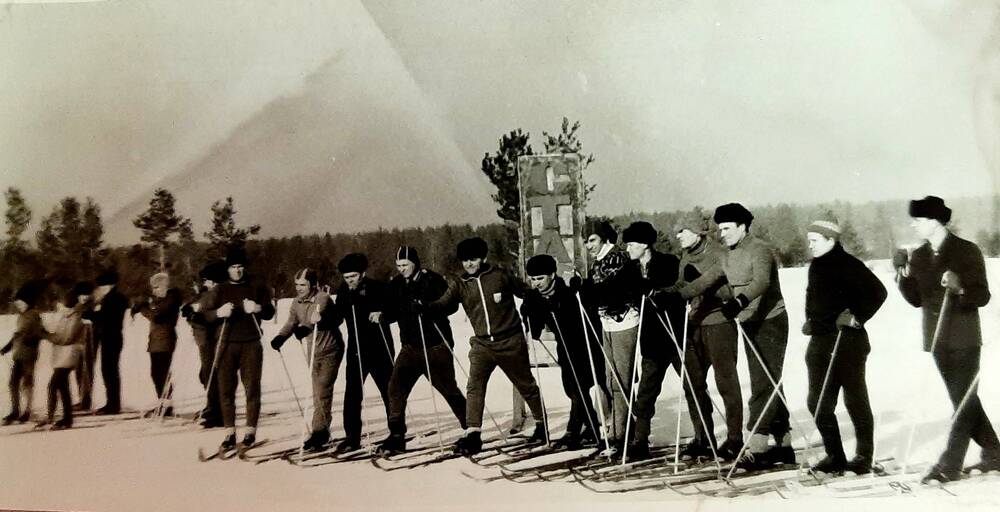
{"points": [[417, 307], [6, 349], [731, 308], [667, 300], [187, 311], [301, 332], [951, 281], [691, 273], [524, 309], [807, 328], [900, 259], [225, 311], [846, 319], [575, 283], [277, 342], [250, 307]]}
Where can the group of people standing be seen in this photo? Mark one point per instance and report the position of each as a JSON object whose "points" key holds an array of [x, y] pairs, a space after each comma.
{"points": [[638, 309]]}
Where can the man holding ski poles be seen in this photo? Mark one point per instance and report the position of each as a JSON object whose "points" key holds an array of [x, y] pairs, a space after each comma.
{"points": [[946, 278]]}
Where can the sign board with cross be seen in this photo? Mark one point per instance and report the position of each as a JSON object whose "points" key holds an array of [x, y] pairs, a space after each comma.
{"points": [[552, 214]]}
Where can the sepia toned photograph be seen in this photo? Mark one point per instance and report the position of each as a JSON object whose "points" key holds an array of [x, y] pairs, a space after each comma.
{"points": [[499, 255]]}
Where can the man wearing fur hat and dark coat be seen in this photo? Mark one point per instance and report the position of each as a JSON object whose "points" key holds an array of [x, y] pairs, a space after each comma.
{"points": [[24, 343], [751, 270], [612, 286], [487, 295], [712, 338], [161, 309], [366, 306], [416, 331], [206, 337], [107, 317], [946, 277], [240, 305], [842, 295], [552, 304]]}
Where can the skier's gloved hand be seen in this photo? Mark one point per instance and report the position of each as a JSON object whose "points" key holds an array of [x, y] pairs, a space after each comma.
{"points": [[6, 349], [417, 307], [225, 311], [900, 259], [731, 308], [277, 342], [952, 282], [187, 311], [250, 307], [847, 319], [524, 309], [301, 332], [575, 283], [807, 328]]}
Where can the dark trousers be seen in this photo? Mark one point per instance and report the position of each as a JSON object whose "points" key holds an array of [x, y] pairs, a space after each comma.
{"points": [[159, 370], [206, 353], [111, 350], [324, 374], [716, 346], [511, 355], [85, 369], [847, 373], [769, 337], [958, 368], [577, 381], [410, 366], [653, 372], [22, 378], [59, 384], [244, 360], [380, 371]]}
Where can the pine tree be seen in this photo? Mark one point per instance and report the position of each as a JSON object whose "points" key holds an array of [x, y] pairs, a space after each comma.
{"points": [[224, 234], [160, 222], [18, 217]]}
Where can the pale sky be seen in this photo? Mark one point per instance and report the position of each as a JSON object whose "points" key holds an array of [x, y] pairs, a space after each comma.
{"points": [[346, 115]]}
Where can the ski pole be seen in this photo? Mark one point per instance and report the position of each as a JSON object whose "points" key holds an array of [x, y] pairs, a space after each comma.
{"points": [[632, 392], [593, 374], [701, 416], [756, 425], [945, 304], [215, 364], [538, 379], [680, 397], [607, 359], [427, 362], [361, 372], [503, 435], [312, 364], [822, 389], [389, 354], [562, 339]]}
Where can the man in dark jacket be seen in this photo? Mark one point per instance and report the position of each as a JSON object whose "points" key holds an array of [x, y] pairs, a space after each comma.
{"points": [[550, 303], [206, 337], [946, 277], [107, 317], [240, 305], [842, 295], [416, 332], [162, 310], [366, 306], [487, 295]]}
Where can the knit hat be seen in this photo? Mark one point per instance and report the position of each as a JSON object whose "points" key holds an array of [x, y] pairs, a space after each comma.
{"points": [[695, 222], [160, 279], [603, 229], [827, 228], [405, 252], [30, 292], [214, 271], [930, 207], [733, 212], [236, 257], [81, 288], [641, 232], [109, 276], [354, 262], [540, 265], [472, 248]]}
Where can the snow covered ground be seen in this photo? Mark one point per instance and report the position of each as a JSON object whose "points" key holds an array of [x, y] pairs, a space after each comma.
{"points": [[148, 465]]}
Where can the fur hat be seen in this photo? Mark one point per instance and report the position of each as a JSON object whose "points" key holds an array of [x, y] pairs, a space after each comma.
{"points": [[236, 257], [472, 248], [641, 232], [540, 265], [354, 262], [733, 212], [109, 276], [214, 271], [31, 291], [931, 207]]}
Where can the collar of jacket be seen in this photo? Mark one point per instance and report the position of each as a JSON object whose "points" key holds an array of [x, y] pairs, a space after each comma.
{"points": [[484, 269], [416, 276], [834, 252], [605, 250], [699, 247], [746, 241]]}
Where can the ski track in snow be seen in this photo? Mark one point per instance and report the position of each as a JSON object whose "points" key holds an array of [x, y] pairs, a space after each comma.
{"points": [[151, 465]]}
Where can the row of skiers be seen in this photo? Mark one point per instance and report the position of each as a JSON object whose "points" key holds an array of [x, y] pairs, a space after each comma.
{"points": [[638, 308]]}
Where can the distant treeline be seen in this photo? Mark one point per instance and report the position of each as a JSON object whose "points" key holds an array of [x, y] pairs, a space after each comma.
{"points": [[871, 230]]}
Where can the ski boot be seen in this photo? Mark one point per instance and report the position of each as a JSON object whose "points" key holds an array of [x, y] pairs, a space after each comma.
{"points": [[729, 449], [568, 442], [781, 455], [539, 435], [860, 465], [469, 445], [10, 418], [937, 476], [348, 445], [25, 416], [637, 451], [249, 439], [696, 450], [982, 467], [391, 445], [228, 444], [62, 424], [833, 466], [317, 441]]}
